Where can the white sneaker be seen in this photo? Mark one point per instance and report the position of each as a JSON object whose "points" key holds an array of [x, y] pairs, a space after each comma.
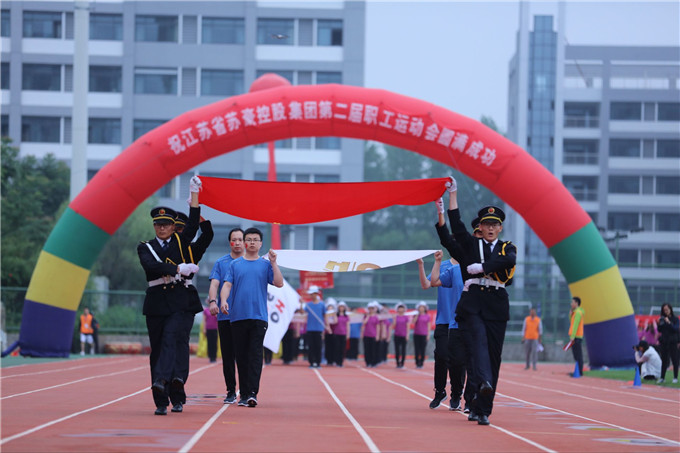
{"points": [[659, 381], [675, 381], [82, 352]]}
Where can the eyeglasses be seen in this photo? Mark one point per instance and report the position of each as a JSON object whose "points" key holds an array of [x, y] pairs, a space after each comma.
{"points": [[251, 241]]}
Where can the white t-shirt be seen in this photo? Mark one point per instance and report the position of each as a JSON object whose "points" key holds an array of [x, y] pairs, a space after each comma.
{"points": [[651, 362]]}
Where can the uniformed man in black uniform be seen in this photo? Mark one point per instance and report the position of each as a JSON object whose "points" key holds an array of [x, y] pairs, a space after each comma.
{"points": [[487, 265], [196, 251], [168, 267]]}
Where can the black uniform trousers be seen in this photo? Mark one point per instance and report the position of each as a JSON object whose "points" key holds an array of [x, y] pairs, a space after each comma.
{"points": [[288, 346], [329, 348], [457, 367], [419, 345], [370, 351], [441, 357], [227, 350], [182, 355], [248, 336], [353, 351], [399, 350], [313, 340], [339, 345]]}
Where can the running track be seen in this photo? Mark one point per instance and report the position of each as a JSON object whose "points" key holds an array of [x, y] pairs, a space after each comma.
{"points": [[104, 404]]}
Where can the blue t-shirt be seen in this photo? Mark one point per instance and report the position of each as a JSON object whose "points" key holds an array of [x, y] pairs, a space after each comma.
{"points": [[249, 280], [447, 298], [219, 272], [315, 323], [452, 282], [355, 330]]}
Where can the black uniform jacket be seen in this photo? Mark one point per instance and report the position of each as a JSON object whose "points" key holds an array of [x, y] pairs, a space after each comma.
{"points": [[490, 302], [197, 250], [164, 299]]}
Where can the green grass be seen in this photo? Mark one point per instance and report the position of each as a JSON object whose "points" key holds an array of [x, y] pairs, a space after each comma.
{"points": [[629, 375], [10, 361]]}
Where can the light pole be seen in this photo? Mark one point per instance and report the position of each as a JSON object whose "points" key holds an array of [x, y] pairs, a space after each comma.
{"points": [[617, 235]]}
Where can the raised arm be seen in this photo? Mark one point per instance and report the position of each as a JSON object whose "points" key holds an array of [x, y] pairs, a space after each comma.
{"points": [[434, 276], [424, 282]]}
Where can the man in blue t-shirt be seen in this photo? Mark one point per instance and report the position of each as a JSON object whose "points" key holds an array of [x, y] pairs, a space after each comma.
{"points": [[217, 276], [316, 325], [246, 280]]}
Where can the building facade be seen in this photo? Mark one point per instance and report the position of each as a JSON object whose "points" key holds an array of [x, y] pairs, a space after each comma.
{"points": [[606, 121], [152, 61]]}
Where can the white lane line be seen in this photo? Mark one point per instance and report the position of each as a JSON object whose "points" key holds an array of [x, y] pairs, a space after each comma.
{"points": [[572, 395], [73, 382], [503, 430], [58, 370], [592, 387], [364, 435], [75, 414], [591, 419], [196, 437]]}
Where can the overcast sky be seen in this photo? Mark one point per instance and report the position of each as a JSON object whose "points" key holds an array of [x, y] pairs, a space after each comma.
{"points": [[456, 54]]}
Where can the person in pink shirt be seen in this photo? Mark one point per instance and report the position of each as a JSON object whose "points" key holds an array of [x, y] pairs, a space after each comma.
{"points": [[340, 329], [210, 327], [369, 332], [421, 332], [401, 322]]}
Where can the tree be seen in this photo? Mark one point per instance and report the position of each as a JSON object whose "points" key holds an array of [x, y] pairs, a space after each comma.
{"points": [[34, 193]]}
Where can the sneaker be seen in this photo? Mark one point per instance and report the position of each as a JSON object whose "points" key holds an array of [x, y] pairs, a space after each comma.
{"points": [[659, 381], [454, 405], [252, 401], [439, 398], [466, 410], [242, 402], [675, 381], [231, 398]]}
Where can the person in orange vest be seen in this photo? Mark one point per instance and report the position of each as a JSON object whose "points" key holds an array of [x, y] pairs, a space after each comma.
{"points": [[532, 330], [576, 315], [86, 331]]}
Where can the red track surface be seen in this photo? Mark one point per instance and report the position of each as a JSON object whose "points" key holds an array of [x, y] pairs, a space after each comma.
{"points": [[104, 404]]}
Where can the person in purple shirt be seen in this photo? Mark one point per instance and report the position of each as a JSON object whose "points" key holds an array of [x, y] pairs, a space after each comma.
{"points": [[340, 329], [210, 331], [247, 278], [401, 322], [421, 332], [369, 331]]}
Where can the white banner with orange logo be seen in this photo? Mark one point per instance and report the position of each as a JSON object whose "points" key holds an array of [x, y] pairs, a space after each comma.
{"points": [[281, 305], [346, 260]]}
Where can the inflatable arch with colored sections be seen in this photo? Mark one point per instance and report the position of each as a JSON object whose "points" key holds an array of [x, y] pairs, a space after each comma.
{"points": [[273, 114]]}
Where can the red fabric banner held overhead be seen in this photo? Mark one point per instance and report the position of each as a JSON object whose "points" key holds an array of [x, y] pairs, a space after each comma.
{"points": [[299, 203]]}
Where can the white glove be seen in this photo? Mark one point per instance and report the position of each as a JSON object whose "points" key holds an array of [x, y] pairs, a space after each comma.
{"points": [[440, 205], [195, 185], [451, 186], [475, 268], [187, 269]]}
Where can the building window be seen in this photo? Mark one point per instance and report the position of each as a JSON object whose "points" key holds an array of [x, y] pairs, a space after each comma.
{"points": [[667, 222], [284, 144], [4, 76], [329, 33], [155, 81], [668, 148], [328, 77], [5, 30], [42, 25], [623, 221], [327, 143], [104, 131], [667, 185], [325, 238], [627, 257], [669, 111], [583, 188], [41, 77], [327, 178], [4, 125], [42, 129], [221, 82], [288, 75], [156, 28], [624, 184], [670, 258], [581, 114], [275, 31], [620, 147], [106, 79], [581, 152], [223, 30], [106, 27], [631, 111], [141, 127]]}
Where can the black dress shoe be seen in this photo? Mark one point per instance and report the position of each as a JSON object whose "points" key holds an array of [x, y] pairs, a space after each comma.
{"points": [[486, 389], [177, 383], [483, 420], [161, 411], [158, 386], [472, 417], [177, 407]]}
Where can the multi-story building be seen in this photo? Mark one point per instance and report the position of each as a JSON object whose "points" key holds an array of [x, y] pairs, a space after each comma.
{"points": [[152, 61], [606, 121]]}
